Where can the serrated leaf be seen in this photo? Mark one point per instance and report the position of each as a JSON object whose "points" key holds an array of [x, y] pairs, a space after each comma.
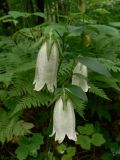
{"points": [[71, 151], [61, 148], [84, 141], [24, 140], [76, 91], [97, 139], [38, 138], [36, 141], [22, 152], [95, 65], [98, 91], [88, 129]]}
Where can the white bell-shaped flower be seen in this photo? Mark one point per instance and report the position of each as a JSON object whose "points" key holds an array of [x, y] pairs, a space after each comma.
{"points": [[80, 81], [63, 121], [46, 69]]}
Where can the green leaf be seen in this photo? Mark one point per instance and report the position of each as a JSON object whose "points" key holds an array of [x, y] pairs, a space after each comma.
{"points": [[97, 139], [88, 129], [115, 148], [24, 140], [5, 17], [115, 24], [84, 141], [107, 156], [76, 91], [3, 94], [40, 14], [78, 104], [37, 138], [95, 65], [61, 148], [50, 156], [98, 91], [36, 141], [66, 157], [22, 152], [101, 11], [17, 14], [71, 151], [107, 30]]}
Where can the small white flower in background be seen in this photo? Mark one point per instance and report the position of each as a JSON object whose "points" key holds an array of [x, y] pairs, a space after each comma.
{"points": [[79, 81], [63, 121], [46, 69]]}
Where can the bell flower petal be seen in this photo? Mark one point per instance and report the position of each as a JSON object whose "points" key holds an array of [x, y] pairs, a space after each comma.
{"points": [[63, 121], [46, 69], [81, 82]]}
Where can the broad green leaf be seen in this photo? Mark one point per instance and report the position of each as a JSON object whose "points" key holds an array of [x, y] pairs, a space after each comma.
{"points": [[24, 140], [107, 30], [37, 138], [76, 91], [17, 14], [66, 157], [95, 65], [10, 20], [39, 14], [115, 148], [50, 156], [97, 139], [71, 151], [61, 148], [5, 17], [3, 94], [101, 11], [88, 129], [115, 24], [107, 156], [84, 141], [22, 152], [36, 141]]}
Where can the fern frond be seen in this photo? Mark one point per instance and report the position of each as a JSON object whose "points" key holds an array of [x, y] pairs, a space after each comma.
{"points": [[33, 100], [10, 127], [78, 105], [65, 71], [111, 65], [98, 91]]}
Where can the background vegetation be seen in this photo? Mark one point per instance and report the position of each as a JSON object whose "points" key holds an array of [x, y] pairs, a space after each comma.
{"points": [[88, 28]]}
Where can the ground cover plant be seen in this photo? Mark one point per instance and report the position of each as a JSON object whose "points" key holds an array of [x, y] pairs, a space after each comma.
{"points": [[59, 80]]}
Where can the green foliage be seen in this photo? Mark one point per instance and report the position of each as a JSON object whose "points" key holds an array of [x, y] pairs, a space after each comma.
{"points": [[89, 136], [25, 115], [69, 151], [12, 127], [29, 146], [98, 91]]}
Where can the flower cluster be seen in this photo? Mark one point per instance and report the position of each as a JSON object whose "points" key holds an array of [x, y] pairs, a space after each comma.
{"points": [[46, 74]]}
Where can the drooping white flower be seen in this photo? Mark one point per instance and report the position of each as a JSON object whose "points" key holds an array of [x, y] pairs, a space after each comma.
{"points": [[80, 81], [64, 121], [46, 69]]}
